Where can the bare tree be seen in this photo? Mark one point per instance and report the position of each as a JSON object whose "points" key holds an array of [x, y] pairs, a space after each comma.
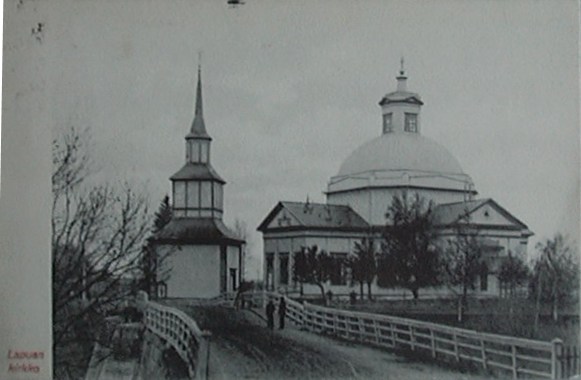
{"points": [[462, 262], [513, 274], [555, 275], [97, 236], [152, 265]]}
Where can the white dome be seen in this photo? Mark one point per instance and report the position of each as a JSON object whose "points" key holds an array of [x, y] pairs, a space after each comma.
{"points": [[400, 151]]}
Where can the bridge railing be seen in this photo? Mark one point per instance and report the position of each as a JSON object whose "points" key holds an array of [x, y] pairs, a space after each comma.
{"points": [[521, 357], [181, 332]]}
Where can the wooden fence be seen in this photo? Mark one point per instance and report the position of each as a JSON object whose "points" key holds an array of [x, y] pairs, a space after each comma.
{"points": [[569, 361], [521, 357], [181, 332]]}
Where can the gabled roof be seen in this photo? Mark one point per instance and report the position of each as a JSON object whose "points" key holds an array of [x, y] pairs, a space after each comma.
{"points": [[197, 171], [196, 231], [316, 216], [450, 214]]}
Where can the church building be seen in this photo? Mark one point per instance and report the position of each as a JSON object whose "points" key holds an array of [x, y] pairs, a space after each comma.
{"points": [[199, 256], [358, 196]]}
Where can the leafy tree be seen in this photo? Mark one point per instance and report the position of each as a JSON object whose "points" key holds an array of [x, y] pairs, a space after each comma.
{"points": [[313, 267], [513, 273], [555, 275], [409, 254], [300, 268], [462, 261], [97, 235], [363, 264]]}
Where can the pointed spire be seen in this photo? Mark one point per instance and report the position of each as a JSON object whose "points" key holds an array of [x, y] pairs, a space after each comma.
{"points": [[198, 126], [199, 107]]}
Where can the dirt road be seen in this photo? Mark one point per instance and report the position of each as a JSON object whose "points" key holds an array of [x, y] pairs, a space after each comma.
{"points": [[243, 348]]}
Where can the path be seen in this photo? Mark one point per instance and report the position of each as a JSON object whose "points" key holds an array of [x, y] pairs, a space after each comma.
{"points": [[243, 348]]}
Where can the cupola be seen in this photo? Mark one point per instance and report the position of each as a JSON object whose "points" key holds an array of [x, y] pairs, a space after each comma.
{"points": [[401, 108]]}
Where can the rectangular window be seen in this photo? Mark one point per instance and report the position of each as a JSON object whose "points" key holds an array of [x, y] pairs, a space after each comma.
{"points": [[411, 122], [189, 151], [338, 269], [193, 195], [206, 197], [195, 152], [484, 278], [387, 127], [204, 152], [218, 196], [179, 193], [283, 260]]}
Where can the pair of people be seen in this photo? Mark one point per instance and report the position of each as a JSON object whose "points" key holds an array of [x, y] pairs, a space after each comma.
{"points": [[281, 313]]}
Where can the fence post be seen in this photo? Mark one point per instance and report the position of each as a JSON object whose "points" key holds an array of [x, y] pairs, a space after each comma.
{"points": [[456, 351], [483, 351], [376, 331], [514, 363], [360, 325], [433, 342], [203, 370], [556, 353]]}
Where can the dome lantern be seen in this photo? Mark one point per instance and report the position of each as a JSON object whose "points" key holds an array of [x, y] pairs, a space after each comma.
{"points": [[401, 108]]}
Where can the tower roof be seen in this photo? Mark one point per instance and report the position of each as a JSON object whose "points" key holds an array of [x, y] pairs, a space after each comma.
{"points": [[401, 95], [197, 171], [196, 231], [198, 129]]}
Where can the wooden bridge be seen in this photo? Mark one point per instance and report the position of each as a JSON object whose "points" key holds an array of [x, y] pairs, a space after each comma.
{"points": [[177, 325]]}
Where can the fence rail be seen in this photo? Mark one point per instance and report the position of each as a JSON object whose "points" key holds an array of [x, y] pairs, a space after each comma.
{"points": [[521, 357], [181, 332]]}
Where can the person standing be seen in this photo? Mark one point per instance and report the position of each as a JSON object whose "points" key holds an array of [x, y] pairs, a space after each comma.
{"points": [[281, 312], [270, 314]]}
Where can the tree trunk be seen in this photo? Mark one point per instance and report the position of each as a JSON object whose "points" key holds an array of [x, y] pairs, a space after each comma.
{"points": [[555, 310], [323, 297], [301, 289], [538, 303], [361, 290], [460, 309], [369, 291], [465, 297]]}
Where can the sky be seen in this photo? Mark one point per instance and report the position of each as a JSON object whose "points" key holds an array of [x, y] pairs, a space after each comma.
{"points": [[291, 88]]}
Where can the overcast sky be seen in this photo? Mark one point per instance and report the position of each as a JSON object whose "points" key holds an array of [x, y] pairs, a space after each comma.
{"points": [[291, 88]]}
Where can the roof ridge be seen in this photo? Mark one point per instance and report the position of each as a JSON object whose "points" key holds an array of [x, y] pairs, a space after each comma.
{"points": [[313, 203], [459, 202]]}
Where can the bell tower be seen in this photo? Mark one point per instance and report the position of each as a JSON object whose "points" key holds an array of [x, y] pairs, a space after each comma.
{"points": [[197, 188]]}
